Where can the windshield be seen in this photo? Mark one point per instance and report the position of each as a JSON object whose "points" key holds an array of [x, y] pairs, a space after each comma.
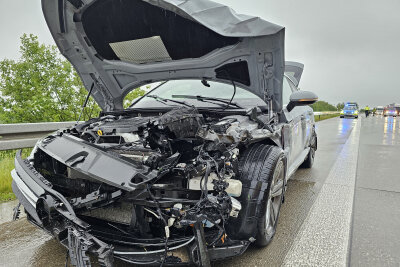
{"points": [[350, 108], [170, 93]]}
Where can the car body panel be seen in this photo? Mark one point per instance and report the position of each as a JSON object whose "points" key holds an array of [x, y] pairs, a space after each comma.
{"points": [[301, 129], [239, 40], [300, 123], [91, 161]]}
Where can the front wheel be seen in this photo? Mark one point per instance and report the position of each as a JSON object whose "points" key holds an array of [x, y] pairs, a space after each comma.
{"points": [[269, 220]]}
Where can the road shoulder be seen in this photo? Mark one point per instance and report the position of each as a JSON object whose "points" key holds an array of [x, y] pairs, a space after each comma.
{"points": [[324, 237]]}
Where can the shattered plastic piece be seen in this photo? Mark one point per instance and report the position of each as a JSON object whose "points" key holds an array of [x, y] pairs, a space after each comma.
{"points": [[80, 243], [17, 212]]}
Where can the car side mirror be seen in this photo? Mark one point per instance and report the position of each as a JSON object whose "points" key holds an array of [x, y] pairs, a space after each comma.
{"points": [[301, 98]]}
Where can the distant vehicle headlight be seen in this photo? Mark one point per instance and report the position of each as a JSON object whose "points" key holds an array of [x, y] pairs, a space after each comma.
{"points": [[342, 112], [356, 112]]}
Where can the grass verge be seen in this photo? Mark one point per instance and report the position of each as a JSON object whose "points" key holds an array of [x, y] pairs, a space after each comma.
{"points": [[325, 117], [6, 165]]}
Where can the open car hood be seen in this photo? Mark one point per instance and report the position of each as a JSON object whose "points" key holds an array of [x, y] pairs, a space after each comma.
{"points": [[117, 46]]}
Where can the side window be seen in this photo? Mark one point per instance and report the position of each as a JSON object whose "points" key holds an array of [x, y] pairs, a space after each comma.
{"points": [[286, 92]]}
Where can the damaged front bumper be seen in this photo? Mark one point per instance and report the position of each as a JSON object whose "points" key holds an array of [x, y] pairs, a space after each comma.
{"points": [[42, 204]]}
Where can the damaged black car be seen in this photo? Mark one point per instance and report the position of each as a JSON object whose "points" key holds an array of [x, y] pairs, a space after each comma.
{"points": [[196, 169]]}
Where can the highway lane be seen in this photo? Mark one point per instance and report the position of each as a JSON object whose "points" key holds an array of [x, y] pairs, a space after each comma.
{"points": [[375, 233], [23, 245]]}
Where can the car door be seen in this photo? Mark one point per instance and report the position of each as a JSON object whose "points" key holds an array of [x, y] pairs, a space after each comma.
{"points": [[306, 114], [294, 124], [307, 125], [300, 119]]}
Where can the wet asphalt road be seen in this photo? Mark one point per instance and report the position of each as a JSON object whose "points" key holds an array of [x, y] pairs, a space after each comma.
{"points": [[375, 232], [365, 235]]}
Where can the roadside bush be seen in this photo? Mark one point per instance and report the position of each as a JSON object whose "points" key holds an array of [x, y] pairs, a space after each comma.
{"points": [[323, 106]]}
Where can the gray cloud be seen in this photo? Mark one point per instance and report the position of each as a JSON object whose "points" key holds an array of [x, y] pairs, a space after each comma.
{"points": [[350, 48], [16, 18]]}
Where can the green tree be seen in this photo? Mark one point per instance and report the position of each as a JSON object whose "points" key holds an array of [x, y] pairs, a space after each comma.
{"points": [[41, 86], [138, 92], [340, 106], [323, 106]]}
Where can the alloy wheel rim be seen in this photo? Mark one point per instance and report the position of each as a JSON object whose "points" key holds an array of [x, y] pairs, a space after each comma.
{"points": [[274, 198]]}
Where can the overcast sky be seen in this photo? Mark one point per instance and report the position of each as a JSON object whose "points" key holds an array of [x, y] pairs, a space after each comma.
{"points": [[350, 48]]}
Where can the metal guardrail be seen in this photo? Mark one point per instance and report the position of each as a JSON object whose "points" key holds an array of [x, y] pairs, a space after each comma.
{"points": [[24, 135], [319, 114], [326, 113]]}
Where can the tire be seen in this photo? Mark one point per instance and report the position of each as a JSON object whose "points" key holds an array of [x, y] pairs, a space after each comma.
{"points": [[269, 219], [259, 167], [341, 117], [309, 161]]}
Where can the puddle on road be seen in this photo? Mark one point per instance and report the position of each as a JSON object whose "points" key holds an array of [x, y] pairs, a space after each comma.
{"points": [[23, 244], [19, 240], [50, 253]]}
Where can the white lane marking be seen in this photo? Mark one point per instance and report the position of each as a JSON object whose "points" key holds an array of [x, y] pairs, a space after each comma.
{"points": [[323, 239]]}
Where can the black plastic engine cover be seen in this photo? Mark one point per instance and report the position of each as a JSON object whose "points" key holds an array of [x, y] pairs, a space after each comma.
{"points": [[183, 122]]}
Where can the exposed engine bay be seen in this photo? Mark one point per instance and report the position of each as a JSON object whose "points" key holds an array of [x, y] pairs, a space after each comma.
{"points": [[186, 166]]}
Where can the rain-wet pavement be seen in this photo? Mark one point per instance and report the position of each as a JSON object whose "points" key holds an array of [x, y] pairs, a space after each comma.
{"points": [[22, 244], [375, 237], [6, 214]]}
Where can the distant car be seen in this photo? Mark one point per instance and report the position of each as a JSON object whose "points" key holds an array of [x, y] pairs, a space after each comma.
{"points": [[379, 110], [350, 110], [397, 108], [390, 111]]}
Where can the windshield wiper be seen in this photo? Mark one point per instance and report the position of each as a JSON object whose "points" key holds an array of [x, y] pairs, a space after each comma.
{"points": [[207, 99], [166, 100]]}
